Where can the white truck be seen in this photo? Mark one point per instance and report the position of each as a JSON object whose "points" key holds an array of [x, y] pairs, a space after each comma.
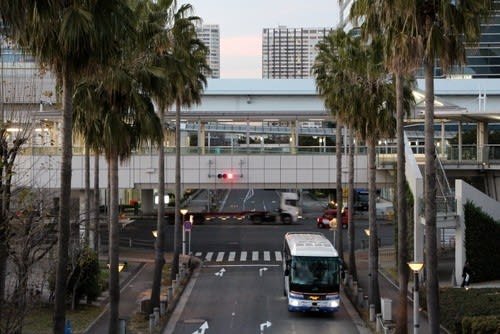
{"points": [[287, 213]]}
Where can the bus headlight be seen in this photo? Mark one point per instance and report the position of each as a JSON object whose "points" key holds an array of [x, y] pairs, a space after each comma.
{"points": [[294, 302], [334, 303]]}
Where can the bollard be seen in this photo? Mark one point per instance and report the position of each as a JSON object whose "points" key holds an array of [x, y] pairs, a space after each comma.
{"points": [[68, 329], [365, 301], [170, 296], [372, 312], [349, 280], [151, 322], [122, 326], [163, 307], [174, 285], [355, 289], [156, 312], [379, 323], [360, 297]]}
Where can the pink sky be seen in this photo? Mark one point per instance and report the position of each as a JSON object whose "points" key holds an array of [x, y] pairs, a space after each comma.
{"points": [[241, 24]]}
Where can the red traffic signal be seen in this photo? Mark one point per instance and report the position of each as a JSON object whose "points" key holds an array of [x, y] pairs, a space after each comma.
{"points": [[225, 176]]}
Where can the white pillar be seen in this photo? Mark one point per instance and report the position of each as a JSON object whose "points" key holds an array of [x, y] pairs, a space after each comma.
{"points": [[459, 233], [147, 200]]}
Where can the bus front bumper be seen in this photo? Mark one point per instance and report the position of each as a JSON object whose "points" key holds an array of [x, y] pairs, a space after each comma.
{"points": [[301, 305]]}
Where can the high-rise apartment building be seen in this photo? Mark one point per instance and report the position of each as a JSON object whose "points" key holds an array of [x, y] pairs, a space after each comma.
{"points": [[210, 35], [289, 53], [482, 59]]}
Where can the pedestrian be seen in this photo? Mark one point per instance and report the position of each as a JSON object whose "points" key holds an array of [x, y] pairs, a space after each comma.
{"points": [[466, 272]]}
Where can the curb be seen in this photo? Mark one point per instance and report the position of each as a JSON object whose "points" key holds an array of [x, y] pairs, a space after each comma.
{"points": [[360, 324]]}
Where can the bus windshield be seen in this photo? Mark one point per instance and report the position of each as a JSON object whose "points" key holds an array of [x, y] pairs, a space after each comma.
{"points": [[315, 274]]}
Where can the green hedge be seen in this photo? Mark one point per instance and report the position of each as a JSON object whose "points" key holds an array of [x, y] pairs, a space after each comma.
{"points": [[459, 304], [481, 244], [481, 325]]}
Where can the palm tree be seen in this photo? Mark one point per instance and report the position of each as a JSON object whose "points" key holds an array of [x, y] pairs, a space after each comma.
{"points": [[444, 27], [360, 73], [393, 22], [187, 80], [332, 82], [125, 117], [155, 31], [63, 35]]}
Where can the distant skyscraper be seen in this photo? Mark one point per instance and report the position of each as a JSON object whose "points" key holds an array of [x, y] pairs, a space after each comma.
{"points": [[210, 35], [289, 53]]}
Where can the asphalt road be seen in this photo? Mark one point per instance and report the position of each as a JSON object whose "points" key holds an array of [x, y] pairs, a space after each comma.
{"points": [[239, 286], [248, 299]]}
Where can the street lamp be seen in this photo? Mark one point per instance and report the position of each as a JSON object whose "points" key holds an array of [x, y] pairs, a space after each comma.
{"points": [[416, 267], [333, 226], [183, 213]]}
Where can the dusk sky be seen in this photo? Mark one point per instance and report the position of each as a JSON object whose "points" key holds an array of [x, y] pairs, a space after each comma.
{"points": [[241, 24]]}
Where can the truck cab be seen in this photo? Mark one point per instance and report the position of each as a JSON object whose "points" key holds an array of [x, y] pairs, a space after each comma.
{"points": [[289, 207], [287, 213]]}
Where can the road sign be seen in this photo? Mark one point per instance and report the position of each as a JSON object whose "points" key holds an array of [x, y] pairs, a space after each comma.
{"points": [[188, 226]]}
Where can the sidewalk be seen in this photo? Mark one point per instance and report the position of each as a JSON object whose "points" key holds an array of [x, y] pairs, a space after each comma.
{"points": [[135, 279]]}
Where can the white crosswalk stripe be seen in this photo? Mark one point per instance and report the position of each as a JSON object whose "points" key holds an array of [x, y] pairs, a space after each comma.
{"points": [[241, 256]]}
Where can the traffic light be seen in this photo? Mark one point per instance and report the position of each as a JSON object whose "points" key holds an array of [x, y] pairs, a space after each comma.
{"points": [[225, 176]]}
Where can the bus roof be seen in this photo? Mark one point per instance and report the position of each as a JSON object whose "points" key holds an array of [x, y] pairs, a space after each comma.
{"points": [[310, 244]]}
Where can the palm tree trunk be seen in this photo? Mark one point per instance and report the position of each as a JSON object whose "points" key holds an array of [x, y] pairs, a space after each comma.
{"points": [[373, 289], [3, 260], [87, 196], [350, 204], [114, 239], [160, 224], [338, 148], [430, 203], [4, 250], [402, 310], [64, 213], [177, 227], [97, 223]]}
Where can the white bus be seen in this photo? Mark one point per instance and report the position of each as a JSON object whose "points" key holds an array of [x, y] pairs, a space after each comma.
{"points": [[311, 267]]}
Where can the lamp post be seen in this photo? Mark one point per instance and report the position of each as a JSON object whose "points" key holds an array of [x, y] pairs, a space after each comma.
{"points": [[333, 226], [416, 267], [183, 213]]}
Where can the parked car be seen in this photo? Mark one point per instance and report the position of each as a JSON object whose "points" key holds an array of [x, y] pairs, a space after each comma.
{"points": [[325, 220]]}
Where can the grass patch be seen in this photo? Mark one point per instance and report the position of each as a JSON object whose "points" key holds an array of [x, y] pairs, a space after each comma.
{"points": [[39, 320]]}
